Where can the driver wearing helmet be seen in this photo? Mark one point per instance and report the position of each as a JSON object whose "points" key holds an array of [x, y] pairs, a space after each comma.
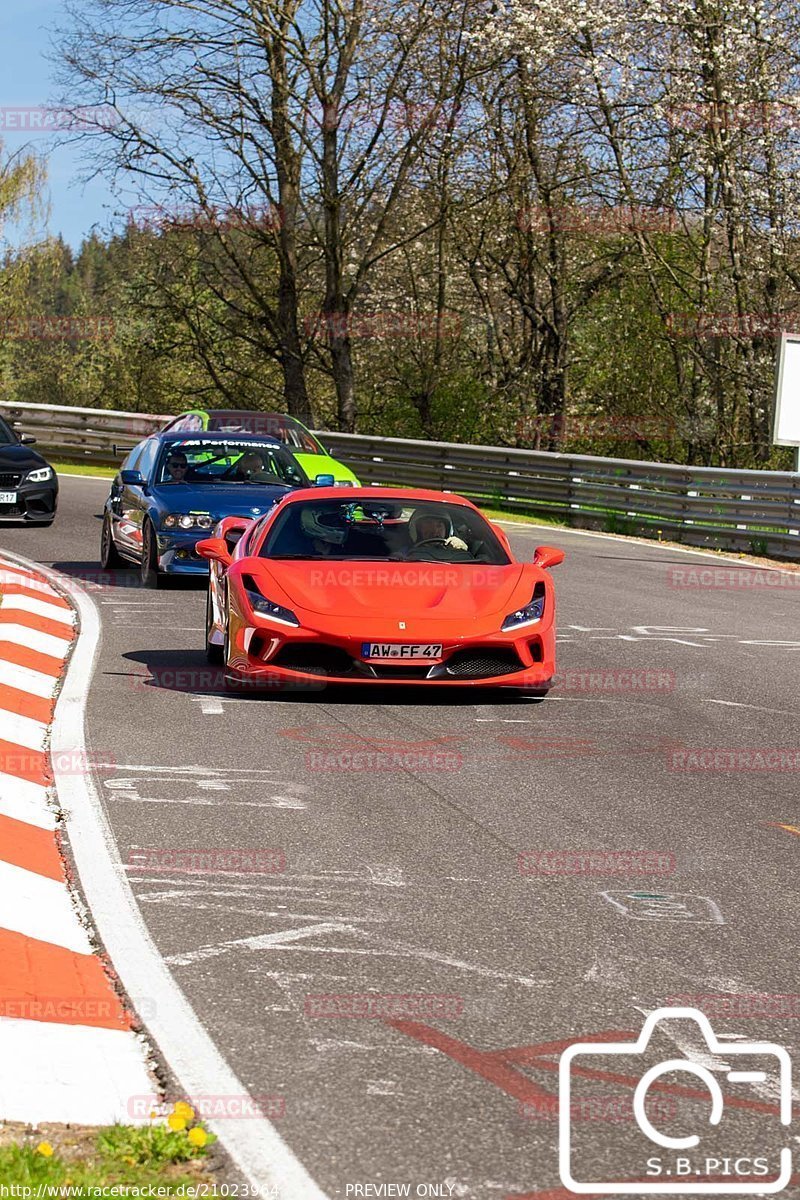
{"points": [[324, 531], [434, 527]]}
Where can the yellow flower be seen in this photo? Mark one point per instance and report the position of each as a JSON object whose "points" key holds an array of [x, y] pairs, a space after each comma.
{"points": [[45, 1149], [198, 1136], [177, 1123], [182, 1109]]}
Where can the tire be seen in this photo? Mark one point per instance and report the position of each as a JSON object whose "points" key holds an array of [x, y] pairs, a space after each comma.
{"points": [[110, 557], [214, 654], [151, 576]]}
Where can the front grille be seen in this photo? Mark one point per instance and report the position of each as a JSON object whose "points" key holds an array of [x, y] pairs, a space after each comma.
{"points": [[8, 483], [382, 671], [314, 658], [482, 663]]}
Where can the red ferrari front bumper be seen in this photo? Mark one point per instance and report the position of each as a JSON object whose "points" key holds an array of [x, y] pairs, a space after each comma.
{"points": [[269, 654]]}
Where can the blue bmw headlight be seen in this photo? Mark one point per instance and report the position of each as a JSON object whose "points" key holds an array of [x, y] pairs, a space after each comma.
{"points": [[186, 521], [530, 613], [265, 608]]}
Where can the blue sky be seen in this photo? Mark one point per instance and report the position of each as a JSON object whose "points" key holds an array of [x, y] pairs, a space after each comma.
{"points": [[27, 79]]}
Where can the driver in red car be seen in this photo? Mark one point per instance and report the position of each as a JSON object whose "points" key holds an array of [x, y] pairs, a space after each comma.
{"points": [[431, 527]]}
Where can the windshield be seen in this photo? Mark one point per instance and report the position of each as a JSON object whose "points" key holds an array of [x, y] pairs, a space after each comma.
{"points": [[277, 425], [404, 530], [203, 461], [7, 436]]}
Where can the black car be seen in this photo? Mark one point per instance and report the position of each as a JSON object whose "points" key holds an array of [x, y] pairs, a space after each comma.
{"points": [[28, 484]]}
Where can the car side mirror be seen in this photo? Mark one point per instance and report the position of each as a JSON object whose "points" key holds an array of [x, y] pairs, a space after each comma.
{"points": [[132, 478], [215, 550], [27, 439], [324, 481], [547, 556]]}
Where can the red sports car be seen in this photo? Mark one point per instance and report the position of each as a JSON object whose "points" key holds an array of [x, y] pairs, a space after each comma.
{"points": [[378, 586]]}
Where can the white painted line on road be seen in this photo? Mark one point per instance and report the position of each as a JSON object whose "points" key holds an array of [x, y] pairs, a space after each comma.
{"points": [[778, 712], [40, 908], [255, 1146], [46, 1067], [645, 543], [82, 475], [261, 941], [210, 706]]}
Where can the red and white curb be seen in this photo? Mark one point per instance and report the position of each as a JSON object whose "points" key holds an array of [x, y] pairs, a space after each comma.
{"points": [[68, 1051], [253, 1143]]}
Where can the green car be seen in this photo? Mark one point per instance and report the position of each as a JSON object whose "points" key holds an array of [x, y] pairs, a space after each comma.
{"points": [[308, 450]]}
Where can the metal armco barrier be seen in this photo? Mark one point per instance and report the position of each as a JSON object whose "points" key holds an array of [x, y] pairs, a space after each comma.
{"points": [[757, 512]]}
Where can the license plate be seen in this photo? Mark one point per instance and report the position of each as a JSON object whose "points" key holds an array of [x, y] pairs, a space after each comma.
{"points": [[8, 497], [386, 650]]}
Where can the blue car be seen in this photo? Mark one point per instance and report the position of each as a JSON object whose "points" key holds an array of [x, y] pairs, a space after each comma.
{"points": [[173, 488]]}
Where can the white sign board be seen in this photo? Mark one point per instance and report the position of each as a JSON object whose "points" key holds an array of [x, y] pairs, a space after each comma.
{"points": [[786, 427]]}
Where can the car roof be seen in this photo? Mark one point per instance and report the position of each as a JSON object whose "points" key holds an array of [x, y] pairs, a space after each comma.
{"points": [[349, 494], [237, 412]]}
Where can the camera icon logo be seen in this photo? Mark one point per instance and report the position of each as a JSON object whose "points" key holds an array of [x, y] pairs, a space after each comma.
{"points": [[676, 1162]]}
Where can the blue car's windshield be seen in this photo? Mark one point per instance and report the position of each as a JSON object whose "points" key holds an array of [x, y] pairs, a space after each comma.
{"points": [[199, 460]]}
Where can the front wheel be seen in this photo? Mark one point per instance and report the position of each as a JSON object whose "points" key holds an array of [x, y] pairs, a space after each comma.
{"points": [[110, 558], [214, 654], [151, 576]]}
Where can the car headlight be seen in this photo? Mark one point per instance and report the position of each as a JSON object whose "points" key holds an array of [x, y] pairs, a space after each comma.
{"points": [[41, 475], [531, 612], [188, 521], [265, 608]]}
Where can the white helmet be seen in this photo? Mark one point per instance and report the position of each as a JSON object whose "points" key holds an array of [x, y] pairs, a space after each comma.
{"points": [[321, 526], [429, 514]]}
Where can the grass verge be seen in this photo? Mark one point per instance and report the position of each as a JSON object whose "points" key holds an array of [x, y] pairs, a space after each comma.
{"points": [[167, 1156], [83, 469]]}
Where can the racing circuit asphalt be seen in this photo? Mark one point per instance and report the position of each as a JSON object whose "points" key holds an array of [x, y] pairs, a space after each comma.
{"points": [[402, 881]]}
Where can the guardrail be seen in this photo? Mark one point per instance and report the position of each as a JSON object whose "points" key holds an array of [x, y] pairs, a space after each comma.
{"points": [[757, 512]]}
